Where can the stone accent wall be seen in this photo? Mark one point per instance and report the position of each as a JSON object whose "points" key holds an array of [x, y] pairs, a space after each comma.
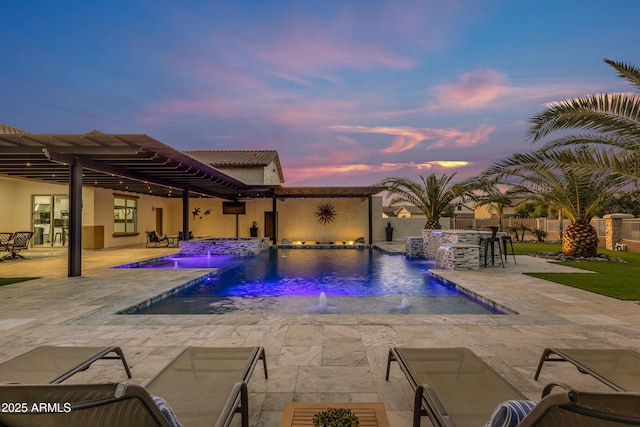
{"points": [[414, 247], [231, 246], [432, 239], [458, 257], [454, 249]]}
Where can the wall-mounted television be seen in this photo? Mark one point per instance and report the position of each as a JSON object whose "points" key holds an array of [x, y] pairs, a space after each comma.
{"points": [[233, 208]]}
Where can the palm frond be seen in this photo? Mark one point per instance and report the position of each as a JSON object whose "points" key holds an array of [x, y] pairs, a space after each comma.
{"points": [[626, 71], [617, 113]]}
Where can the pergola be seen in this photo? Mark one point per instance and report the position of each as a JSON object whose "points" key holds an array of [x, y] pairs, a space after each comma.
{"points": [[127, 162]]}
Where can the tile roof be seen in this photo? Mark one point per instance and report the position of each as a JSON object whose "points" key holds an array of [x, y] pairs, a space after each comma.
{"points": [[234, 157], [10, 130]]}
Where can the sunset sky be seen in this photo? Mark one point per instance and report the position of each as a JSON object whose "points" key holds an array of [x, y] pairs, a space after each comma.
{"points": [[348, 92]]}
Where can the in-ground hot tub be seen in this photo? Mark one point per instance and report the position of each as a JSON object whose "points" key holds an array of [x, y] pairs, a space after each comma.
{"points": [[224, 246]]}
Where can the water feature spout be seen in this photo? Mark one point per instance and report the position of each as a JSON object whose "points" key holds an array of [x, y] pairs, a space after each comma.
{"points": [[405, 305], [322, 302], [444, 257], [209, 254]]}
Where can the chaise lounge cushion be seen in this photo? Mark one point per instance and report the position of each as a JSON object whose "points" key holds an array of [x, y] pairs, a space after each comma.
{"points": [[510, 413], [166, 411]]}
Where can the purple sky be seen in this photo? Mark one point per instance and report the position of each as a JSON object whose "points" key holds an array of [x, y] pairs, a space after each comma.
{"points": [[348, 92]]}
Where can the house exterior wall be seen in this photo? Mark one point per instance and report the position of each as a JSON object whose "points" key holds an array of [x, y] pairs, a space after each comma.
{"points": [[16, 214], [271, 174], [296, 217], [216, 224], [485, 211], [254, 175]]}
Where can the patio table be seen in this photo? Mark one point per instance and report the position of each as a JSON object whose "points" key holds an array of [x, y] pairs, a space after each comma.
{"points": [[300, 414]]}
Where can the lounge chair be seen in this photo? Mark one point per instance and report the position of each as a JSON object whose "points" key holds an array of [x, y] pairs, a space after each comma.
{"points": [[153, 240], [572, 408], [455, 388], [617, 368], [452, 386], [202, 386], [201, 381], [53, 365], [18, 242], [80, 405]]}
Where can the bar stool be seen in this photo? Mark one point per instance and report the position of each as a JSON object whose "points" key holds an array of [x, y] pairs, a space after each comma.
{"points": [[489, 244], [505, 240]]}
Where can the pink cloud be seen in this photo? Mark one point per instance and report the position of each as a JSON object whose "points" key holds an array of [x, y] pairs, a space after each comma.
{"points": [[317, 49], [484, 87], [353, 172], [471, 90], [407, 138]]}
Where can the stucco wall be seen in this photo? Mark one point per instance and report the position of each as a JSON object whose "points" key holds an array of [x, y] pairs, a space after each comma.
{"points": [[16, 213], [297, 219], [216, 224]]}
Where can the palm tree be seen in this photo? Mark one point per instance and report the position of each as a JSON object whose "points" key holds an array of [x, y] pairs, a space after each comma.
{"points": [[431, 194], [575, 192], [612, 122]]}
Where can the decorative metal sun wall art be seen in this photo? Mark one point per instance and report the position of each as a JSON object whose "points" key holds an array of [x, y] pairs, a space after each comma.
{"points": [[326, 213]]}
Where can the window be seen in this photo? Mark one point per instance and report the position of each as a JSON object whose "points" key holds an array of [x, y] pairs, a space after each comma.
{"points": [[125, 215]]}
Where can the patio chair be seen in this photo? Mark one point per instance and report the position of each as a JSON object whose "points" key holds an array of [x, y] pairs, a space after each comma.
{"points": [[201, 386], [570, 408], [452, 386], [617, 368], [18, 242], [205, 384], [51, 364], [80, 405], [5, 238], [153, 240]]}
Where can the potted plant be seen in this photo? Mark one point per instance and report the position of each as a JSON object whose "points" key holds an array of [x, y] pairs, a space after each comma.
{"points": [[254, 229], [389, 231], [336, 417]]}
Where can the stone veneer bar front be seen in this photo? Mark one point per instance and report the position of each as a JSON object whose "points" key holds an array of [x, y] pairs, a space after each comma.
{"points": [[453, 249], [224, 246]]}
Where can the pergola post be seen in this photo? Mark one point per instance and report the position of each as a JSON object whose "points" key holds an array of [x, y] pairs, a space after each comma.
{"points": [[370, 201], [275, 219], [75, 218], [185, 213]]}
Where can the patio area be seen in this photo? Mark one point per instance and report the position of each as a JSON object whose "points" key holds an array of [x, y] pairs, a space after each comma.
{"points": [[315, 357]]}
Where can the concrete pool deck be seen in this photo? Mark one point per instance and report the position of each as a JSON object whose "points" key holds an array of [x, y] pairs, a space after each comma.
{"points": [[315, 357]]}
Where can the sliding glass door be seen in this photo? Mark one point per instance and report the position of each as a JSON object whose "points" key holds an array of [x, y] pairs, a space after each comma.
{"points": [[50, 220]]}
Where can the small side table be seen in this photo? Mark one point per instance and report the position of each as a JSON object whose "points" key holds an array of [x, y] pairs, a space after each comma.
{"points": [[172, 241], [299, 414]]}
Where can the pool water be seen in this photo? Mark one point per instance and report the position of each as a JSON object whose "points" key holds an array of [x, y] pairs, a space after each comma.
{"points": [[296, 281]]}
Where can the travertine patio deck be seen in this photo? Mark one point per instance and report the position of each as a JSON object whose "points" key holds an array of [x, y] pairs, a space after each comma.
{"points": [[311, 357]]}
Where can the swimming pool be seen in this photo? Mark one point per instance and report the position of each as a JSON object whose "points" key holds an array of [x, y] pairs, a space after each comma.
{"points": [[294, 281]]}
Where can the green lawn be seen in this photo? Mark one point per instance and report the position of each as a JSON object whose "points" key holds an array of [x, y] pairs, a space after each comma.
{"points": [[11, 280], [614, 279]]}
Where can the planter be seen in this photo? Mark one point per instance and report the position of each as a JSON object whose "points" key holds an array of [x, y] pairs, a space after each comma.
{"points": [[389, 233], [253, 231]]}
